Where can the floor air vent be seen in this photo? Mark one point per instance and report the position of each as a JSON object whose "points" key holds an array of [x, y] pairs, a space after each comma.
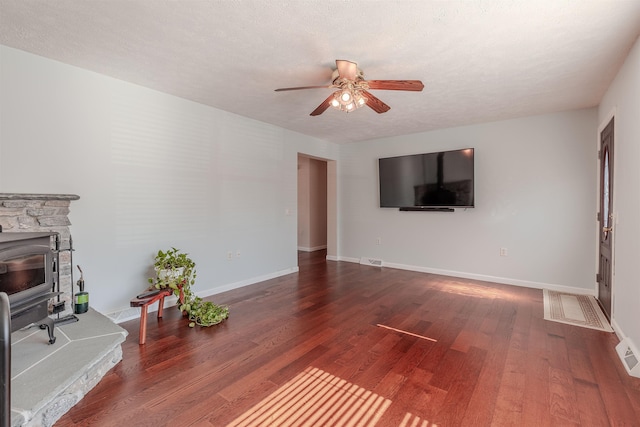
{"points": [[629, 358], [374, 262]]}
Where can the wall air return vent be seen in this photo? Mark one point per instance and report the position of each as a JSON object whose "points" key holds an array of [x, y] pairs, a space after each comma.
{"points": [[629, 358]]}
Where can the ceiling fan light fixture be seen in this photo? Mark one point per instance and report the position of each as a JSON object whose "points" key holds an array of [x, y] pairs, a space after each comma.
{"points": [[348, 99]]}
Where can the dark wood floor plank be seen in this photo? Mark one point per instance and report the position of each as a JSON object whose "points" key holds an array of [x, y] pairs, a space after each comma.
{"points": [[510, 398], [448, 352], [634, 397], [535, 408], [580, 363], [416, 401], [589, 403], [461, 388], [563, 403]]}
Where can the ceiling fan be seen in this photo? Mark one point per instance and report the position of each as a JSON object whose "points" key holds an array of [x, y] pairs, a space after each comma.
{"points": [[353, 90]]}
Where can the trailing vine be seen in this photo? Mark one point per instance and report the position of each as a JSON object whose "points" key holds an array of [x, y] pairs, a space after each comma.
{"points": [[176, 271]]}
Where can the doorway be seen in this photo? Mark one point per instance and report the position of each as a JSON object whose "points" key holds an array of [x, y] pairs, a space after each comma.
{"points": [[605, 219], [317, 205]]}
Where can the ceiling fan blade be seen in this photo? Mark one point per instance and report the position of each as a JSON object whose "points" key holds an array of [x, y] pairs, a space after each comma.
{"points": [[346, 69], [322, 107], [414, 85], [302, 87], [375, 104]]}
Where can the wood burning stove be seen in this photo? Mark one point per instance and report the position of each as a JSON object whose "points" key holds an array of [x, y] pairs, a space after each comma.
{"points": [[27, 270]]}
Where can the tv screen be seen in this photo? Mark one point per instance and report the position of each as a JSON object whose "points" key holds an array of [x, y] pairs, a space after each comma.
{"points": [[442, 179]]}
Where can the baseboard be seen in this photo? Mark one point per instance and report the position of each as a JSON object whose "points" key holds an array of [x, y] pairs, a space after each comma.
{"points": [[126, 314], [312, 249], [482, 277], [347, 259], [243, 283], [134, 313], [617, 329]]}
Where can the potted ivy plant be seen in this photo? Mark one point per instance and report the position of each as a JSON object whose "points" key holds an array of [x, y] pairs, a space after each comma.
{"points": [[176, 271]]}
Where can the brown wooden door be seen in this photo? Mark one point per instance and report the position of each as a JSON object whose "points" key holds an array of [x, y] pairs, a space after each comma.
{"points": [[605, 217]]}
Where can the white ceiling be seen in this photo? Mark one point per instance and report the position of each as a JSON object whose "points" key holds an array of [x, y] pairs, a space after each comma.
{"points": [[480, 60]]}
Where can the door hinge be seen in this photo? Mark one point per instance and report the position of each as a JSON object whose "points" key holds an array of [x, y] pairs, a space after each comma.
{"points": [[599, 154], [597, 277], [598, 216]]}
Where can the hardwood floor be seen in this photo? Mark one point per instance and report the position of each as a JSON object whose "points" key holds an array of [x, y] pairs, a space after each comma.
{"points": [[306, 349]]}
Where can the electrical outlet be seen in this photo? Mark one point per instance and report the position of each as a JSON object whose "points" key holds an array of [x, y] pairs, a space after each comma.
{"points": [[503, 251], [229, 255], [379, 241]]}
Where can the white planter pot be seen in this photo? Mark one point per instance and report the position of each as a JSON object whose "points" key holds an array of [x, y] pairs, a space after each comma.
{"points": [[170, 274]]}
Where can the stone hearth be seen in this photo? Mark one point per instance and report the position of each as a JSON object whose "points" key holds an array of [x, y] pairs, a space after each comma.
{"points": [[47, 380]]}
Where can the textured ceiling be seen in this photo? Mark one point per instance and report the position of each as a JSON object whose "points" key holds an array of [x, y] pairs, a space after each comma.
{"points": [[479, 60]]}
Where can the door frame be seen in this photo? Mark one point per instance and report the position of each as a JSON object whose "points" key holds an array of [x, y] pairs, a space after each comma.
{"points": [[603, 124], [332, 203]]}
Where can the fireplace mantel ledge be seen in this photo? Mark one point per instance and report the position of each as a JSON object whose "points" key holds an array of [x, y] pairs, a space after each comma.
{"points": [[27, 196]]}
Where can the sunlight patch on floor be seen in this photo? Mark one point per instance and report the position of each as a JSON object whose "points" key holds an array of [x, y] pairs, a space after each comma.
{"points": [[316, 398], [411, 420], [406, 332], [473, 290]]}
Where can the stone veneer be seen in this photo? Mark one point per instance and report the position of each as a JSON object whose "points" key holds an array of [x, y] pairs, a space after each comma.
{"points": [[43, 212]]}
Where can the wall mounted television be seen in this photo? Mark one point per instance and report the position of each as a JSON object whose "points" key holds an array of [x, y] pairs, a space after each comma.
{"points": [[441, 180]]}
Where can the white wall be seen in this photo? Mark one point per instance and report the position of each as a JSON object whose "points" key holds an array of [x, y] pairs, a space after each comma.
{"points": [[623, 98], [535, 195], [152, 171]]}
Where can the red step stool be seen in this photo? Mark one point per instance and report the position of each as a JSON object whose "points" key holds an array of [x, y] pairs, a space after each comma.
{"points": [[144, 303]]}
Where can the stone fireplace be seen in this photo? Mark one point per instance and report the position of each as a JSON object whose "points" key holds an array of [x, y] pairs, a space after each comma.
{"points": [[48, 379], [43, 213]]}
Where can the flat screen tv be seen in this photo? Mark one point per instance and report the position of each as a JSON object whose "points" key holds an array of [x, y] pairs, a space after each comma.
{"points": [[431, 180]]}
